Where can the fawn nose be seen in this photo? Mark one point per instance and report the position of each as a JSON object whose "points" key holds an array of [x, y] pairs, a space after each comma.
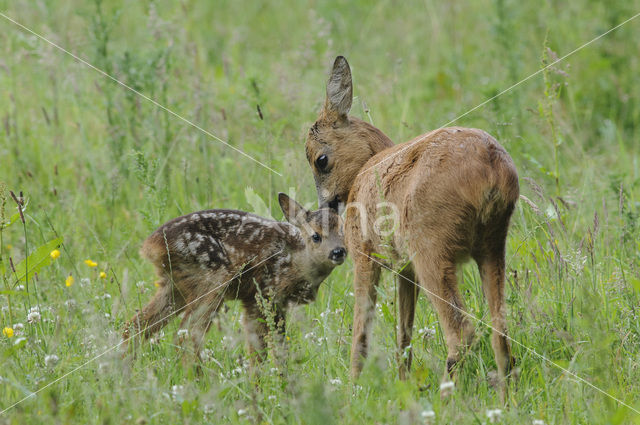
{"points": [[337, 255]]}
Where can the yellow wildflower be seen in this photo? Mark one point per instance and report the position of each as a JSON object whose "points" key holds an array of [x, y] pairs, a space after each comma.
{"points": [[156, 283], [9, 246], [54, 254], [8, 332], [69, 281], [103, 275], [90, 263]]}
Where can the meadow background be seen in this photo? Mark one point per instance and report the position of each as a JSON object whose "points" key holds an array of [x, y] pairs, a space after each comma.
{"points": [[100, 168]]}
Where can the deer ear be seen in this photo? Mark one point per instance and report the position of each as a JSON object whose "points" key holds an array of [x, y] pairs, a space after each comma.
{"points": [[294, 212], [339, 89]]}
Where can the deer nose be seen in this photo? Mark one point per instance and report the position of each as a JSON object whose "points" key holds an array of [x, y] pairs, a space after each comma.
{"points": [[337, 255]]}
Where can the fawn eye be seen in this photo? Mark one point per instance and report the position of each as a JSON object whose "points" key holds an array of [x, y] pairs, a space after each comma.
{"points": [[316, 237], [321, 162]]}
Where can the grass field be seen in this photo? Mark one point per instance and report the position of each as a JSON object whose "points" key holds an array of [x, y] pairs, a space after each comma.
{"points": [[100, 167]]}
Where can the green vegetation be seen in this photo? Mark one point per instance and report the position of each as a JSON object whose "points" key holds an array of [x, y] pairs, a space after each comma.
{"points": [[100, 167]]}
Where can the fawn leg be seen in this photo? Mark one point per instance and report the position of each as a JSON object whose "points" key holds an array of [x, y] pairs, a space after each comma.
{"points": [[492, 270], [367, 274], [407, 297], [198, 319], [255, 328], [438, 278], [155, 315]]}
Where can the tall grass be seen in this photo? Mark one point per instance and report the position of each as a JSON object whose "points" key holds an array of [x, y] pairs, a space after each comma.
{"points": [[100, 167]]}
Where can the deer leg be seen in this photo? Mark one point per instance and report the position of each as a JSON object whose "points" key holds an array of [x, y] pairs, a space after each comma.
{"points": [[256, 329], [407, 297], [198, 320], [367, 274], [279, 340], [155, 315], [492, 270], [438, 279]]}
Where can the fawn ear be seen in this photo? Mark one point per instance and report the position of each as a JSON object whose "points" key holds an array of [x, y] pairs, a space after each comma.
{"points": [[339, 89], [294, 212]]}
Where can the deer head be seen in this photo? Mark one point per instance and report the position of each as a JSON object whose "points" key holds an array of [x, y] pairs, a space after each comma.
{"points": [[337, 144], [321, 232]]}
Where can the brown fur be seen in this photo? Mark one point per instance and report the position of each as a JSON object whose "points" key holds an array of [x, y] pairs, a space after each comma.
{"points": [[455, 189], [207, 257]]}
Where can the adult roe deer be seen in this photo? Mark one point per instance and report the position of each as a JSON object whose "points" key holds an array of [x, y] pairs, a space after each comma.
{"points": [[207, 257], [455, 189]]}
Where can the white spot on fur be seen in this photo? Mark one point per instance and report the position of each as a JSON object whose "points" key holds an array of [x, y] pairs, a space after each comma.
{"points": [[193, 247], [293, 230], [180, 246], [204, 258], [256, 234]]}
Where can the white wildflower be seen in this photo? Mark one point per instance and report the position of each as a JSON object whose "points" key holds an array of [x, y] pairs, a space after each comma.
{"points": [[494, 415], [70, 303], [51, 360], [182, 334], [141, 287], [34, 315], [85, 281], [335, 382], [309, 335], [538, 422], [446, 388], [106, 296], [20, 288], [206, 355], [176, 392], [156, 338], [208, 408], [242, 412], [427, 332], [18, 329], [428, 416]]}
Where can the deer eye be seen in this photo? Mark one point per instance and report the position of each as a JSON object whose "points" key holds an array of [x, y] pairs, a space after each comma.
{"points": [[321, 162], [316, 237]]}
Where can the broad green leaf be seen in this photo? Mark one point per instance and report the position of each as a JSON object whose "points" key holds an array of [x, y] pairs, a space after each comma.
{"points": [[10, 292], [12, 220], [636, 284], [386, 313], [257, 204], [37, 260]]}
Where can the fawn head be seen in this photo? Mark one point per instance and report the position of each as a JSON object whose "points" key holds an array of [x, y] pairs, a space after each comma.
{"points": [[337, 145], [321, 232]]}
